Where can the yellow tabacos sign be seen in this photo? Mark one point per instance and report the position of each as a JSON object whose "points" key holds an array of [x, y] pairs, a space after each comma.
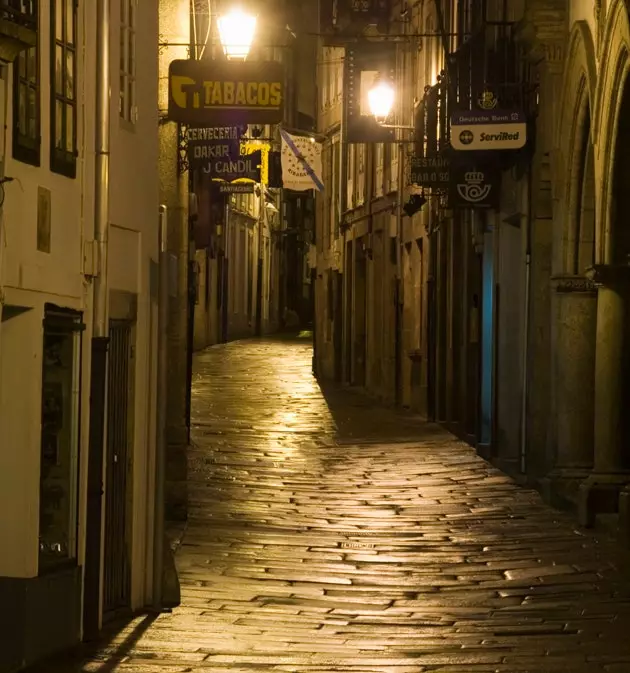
{"points": [[239, 95], [214, 93]]}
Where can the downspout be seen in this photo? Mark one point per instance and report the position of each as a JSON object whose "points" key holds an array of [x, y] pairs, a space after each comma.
{"points": [[101, 187], [399, 291], [399, 282], [346, 330], [162, 412], [525, 378], [260, 263], [100, 328], [7, 93]]}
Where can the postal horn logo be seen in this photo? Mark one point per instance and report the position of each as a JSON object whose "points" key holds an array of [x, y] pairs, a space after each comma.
{"points": [[487, 100], [473, 189]]}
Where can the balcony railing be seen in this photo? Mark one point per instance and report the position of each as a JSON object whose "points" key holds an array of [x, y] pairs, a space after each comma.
{"points": [[491, 61], [432, 120], [21, 12]]}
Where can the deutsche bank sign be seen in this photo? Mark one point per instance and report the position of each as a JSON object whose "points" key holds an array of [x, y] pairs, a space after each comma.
{"points": [[488, 131]]}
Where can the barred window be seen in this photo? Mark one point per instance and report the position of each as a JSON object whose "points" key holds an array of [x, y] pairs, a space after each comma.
{"points": [[63, 101]]}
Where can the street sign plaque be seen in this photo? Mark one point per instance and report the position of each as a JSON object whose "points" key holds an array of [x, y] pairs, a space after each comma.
{"points": [[488, 130]]}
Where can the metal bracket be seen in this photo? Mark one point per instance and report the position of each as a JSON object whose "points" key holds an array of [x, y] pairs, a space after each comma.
{"points": [[90, 259], [182, 149]]}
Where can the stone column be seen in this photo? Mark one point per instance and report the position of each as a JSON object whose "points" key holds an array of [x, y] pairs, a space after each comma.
{"points": [[600, 492], [575, 313]]}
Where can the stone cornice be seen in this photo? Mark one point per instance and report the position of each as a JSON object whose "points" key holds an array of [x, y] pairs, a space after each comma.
{"points": [[542, 32]]}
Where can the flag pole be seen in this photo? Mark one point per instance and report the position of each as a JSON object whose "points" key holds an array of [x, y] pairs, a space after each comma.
{"points": [[304, 134]]}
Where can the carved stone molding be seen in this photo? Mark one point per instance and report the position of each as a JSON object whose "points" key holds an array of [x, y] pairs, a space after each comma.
{"points": [[599, 24], [571, 284]]}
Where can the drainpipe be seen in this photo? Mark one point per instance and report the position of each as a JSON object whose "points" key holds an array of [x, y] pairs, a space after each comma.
{"points": [[259, 267], [399, 282], [7, 94], [101, 187], [162, 412], [346, 328], [225, 321], [525, 378], [100, 333]]}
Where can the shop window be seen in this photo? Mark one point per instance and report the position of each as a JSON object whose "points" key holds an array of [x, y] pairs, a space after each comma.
{"points": [[61, 376]]}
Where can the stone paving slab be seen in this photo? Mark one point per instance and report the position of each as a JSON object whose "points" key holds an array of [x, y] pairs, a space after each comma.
{"points": [[327, 534]]}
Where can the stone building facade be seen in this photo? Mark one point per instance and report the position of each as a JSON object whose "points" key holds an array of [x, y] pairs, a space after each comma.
{"points": [[234, 256], [77, 455], [506, 324]]}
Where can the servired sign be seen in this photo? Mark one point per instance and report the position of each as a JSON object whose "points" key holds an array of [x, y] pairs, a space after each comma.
{"points": [[488, 131], [216, 93]]}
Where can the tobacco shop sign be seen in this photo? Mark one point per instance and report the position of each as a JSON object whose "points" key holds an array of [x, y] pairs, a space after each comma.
{"points": [[215, 93]]}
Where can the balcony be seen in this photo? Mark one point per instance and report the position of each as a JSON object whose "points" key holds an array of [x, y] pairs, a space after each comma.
{"points": [[488, 67], [18, 27]]}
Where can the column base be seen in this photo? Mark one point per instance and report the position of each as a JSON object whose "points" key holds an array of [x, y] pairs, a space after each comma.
{"points": [[624, 516], [508, 465], [600, 494], [176, 487], [561, 487]]}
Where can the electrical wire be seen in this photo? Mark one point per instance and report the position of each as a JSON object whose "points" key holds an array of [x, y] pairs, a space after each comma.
{"points": [[193, 13], [207, 38]]}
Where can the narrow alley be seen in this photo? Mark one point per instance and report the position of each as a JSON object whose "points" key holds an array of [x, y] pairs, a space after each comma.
{"points": [[329, 535]]}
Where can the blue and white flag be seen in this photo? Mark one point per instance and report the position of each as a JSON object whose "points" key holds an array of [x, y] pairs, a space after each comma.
{"points": [[301, 163]]}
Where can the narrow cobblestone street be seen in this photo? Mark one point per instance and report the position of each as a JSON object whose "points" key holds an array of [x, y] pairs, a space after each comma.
{"points": [[328, 535]]}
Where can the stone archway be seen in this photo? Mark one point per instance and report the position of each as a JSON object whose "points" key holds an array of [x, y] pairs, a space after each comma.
{"points": [[574, 301], [611, 273]]}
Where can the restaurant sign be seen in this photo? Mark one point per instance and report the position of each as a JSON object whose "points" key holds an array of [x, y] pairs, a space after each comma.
{"points": [[214, 93], [430, 172]]}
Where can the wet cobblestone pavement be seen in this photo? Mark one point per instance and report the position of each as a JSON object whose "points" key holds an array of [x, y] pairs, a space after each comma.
{"points": [[328, 535]]}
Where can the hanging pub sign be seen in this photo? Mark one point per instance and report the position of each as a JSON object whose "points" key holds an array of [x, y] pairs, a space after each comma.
{"points": [[474, 187], [366, 64], [216, 152], [219, 93], [488, 130], [431, 172]]}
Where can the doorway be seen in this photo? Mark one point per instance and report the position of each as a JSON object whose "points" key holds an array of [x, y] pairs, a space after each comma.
{"points": [[487, 342], [117, 561]]}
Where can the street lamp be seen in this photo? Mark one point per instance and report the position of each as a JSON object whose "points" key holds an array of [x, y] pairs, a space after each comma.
{"points": [[236, 31], [381, 99]]}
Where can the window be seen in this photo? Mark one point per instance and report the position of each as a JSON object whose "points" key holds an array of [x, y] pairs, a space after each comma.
{"points": [[60, 438], [63, 98], [128, 60], [26, 107]]}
